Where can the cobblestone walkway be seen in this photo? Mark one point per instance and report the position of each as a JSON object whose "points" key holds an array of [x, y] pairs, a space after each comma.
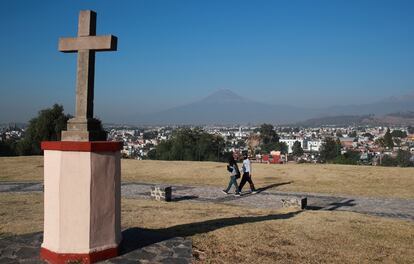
{"points": [[267, 197], [138, 246]]}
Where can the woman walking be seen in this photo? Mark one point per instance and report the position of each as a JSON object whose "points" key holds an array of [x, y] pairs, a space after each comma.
{"points": [[234, 175]]}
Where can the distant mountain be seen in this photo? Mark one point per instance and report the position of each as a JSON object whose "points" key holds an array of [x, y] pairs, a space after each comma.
{"points": [[227, 107], [393, 119], [389, 105], [341, 120]]}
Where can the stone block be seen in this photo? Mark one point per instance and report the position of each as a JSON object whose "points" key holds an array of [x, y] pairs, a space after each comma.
{"points": [[161, 193], [295, 202]]}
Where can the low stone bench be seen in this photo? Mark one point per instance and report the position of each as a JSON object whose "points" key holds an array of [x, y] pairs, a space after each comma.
{"points": [[295, 202], [161, 193]]}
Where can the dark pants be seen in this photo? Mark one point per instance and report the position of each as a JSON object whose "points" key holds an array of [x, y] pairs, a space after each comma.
{"points": [[246, 178]]}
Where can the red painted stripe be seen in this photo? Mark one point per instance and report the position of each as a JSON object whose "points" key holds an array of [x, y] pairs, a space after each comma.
{"points": [[92, 257], [87, 146]]}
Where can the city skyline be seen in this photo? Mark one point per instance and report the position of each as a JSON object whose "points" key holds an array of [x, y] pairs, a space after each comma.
{"points": [[315, 54]]}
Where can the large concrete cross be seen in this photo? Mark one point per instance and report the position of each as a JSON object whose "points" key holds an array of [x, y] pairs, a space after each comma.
{"points": [[83, 127]]}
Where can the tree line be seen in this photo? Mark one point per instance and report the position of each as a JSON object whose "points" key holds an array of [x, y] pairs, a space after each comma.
{"points": [[190, 144], [47, 126], [331, 153]]}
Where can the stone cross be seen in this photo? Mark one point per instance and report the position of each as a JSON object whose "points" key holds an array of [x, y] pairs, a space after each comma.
{"points": [[83, 127]]}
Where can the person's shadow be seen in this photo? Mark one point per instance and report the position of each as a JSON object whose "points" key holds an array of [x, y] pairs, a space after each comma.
{"points": [[135, 237], [274, 185]]}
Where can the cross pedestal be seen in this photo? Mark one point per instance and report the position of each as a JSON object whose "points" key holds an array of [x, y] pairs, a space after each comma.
{"points": [[82, 173], [82, 202]]}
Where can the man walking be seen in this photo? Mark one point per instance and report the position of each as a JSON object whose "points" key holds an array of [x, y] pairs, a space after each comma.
{"points": [[247, 174]]}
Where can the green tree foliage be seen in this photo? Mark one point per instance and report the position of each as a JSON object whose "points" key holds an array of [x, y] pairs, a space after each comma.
{"points": [[350, 157], [152, 154], [388, 142], [8, 148], [380, 142], [268, 134], [297, 150], [269, 139], [403, 158], [330, 149], [352, 134], [282, 147], [397, 141], [190, 144], [388, 161], [47, 126], [398, 133], [150, 135]]}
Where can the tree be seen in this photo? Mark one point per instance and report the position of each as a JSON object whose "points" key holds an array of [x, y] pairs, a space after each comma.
{"points": [[388, 142], [350, 157], [269, 138], [388, 161], [330, 149], [397, 141], [268, 134], [398, 133], [352, 134], [152, 154], [338, 134], [403, 158], [297, 150], [190, 144], [150, 135], [282, 147], [8, 148], [47, 126], [380, 142]]}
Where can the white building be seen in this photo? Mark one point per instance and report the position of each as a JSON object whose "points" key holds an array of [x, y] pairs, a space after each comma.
{"points": [[290, 142], [314, 145]]}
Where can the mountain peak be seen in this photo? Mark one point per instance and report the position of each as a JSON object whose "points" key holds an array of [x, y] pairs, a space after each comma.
{"points": [[224, 96]]}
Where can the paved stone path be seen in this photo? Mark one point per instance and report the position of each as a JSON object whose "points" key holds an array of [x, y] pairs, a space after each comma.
{"points": [[267, 197]]}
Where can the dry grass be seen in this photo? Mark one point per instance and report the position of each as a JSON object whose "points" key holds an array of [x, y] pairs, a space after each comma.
{"points": [[318, 178], [230, 234], [28, 168], [20, 213]]}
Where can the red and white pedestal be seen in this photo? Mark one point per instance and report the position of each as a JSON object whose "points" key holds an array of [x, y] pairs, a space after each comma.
{"points": [[82, 201]]}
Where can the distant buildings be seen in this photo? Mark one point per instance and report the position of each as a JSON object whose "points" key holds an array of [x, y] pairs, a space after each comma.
{"points": [[308, 145]]}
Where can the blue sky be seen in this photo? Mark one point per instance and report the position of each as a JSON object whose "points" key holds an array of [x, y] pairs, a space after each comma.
{"points": [[302, 53]]}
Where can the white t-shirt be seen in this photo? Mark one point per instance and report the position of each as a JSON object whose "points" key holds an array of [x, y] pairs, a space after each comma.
{"points": [[246, 166]]}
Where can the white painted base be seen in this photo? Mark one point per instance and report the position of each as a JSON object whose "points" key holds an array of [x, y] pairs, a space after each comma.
{"points": [[82, 201]]}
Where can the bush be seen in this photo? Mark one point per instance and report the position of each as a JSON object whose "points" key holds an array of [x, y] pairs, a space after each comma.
{"points": [[350, 157], [403, 158], [388, 161]]}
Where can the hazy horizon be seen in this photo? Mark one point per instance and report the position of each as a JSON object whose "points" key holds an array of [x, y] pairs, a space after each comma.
{"points": [[304, 54]]}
